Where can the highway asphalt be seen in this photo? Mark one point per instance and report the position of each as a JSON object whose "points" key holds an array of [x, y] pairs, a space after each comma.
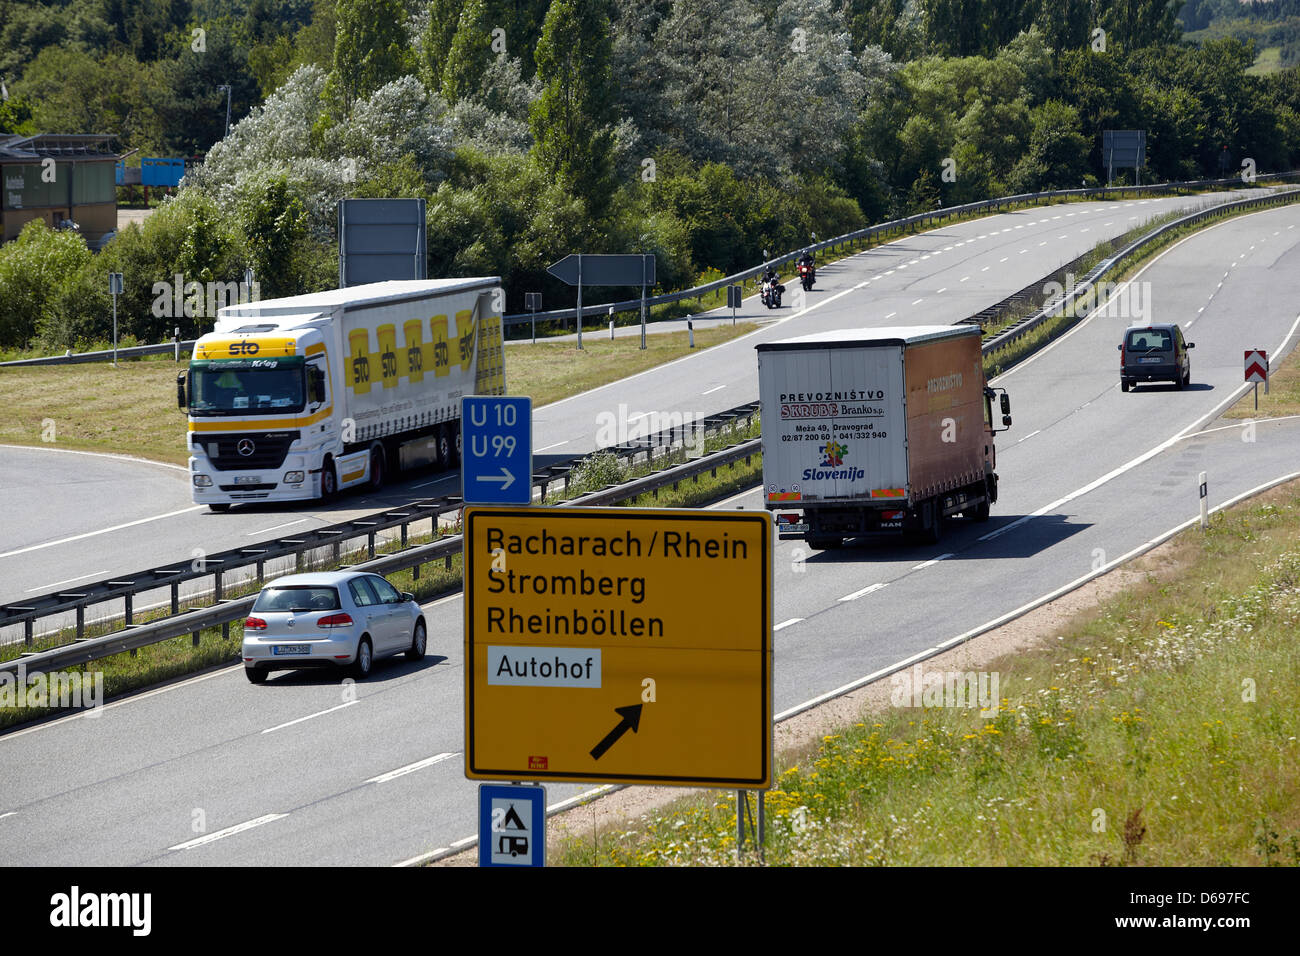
{"points": [[141, 515], [296, 771]]}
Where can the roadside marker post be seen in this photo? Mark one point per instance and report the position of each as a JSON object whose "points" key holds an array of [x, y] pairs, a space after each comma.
{"points": [[1257, 371], [1205, 501]]}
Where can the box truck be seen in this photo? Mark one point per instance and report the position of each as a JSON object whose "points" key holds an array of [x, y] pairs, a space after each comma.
{"points": [[297, 398], [877, 431]]}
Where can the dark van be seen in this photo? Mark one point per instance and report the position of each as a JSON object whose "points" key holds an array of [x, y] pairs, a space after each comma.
{"points": [[1154, 353]]}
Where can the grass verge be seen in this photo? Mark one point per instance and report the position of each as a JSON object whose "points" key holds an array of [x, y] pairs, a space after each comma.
{"points": [[1159, 729]]}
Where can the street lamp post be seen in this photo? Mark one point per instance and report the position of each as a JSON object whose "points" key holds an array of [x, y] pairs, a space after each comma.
{"points": [[226, 88]]}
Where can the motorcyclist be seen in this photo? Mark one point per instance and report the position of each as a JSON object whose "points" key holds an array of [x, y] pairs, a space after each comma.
{"points": [[806, 260], [773, 283]]}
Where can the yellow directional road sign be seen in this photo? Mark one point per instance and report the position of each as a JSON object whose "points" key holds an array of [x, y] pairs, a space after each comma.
{"points": [[618, 645]]}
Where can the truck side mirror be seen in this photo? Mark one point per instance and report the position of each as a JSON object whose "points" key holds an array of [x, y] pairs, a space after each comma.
{"points": [[1006, 407], [180, 391], [316, 377], [1006, 421]]}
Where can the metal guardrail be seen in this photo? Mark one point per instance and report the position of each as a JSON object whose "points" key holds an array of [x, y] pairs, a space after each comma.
{"points": [[84, 358], [870, 232], [219, 566]]}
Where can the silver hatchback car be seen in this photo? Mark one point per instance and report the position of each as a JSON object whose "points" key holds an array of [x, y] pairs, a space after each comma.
{"points": [[332, 619]]}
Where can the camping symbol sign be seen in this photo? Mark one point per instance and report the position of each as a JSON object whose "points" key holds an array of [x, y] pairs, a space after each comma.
{"points": [[512, 825]]}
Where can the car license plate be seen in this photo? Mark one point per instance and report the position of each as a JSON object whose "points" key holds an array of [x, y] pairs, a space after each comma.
{"points": [[248, 480], [1154, 360], [291, 649]]}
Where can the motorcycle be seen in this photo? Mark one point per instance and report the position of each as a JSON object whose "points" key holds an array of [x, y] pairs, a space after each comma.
{"points": [[770, 294], [807, 275]]}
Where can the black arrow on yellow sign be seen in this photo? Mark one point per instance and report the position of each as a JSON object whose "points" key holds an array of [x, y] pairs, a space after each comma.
{"points": [[631, 719]]}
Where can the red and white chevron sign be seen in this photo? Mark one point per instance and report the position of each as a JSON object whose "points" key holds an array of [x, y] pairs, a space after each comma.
{"points": [[1256, 366]]}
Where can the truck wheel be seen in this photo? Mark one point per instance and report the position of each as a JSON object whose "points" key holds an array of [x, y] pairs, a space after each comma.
{"points": [[329, 481], [376, 468], [981, 512], [444, 447]]}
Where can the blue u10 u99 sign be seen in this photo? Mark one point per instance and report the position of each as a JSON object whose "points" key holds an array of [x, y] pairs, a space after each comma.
{"points": [[496, 450]]}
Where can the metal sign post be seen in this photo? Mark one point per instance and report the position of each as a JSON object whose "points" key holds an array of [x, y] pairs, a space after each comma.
{"points": [[115, 289], [533, 302], [577, 269]]}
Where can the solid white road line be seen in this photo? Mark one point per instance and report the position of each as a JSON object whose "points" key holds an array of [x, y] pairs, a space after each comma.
{"points": [[783, 624], [92, 534], [548, 447], [926, 564], [717, 388], [319, 713], [412, 767], [229, 831]]}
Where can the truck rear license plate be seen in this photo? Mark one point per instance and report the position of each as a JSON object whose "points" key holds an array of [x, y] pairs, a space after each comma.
{"points": [[291, 649], [791, 528]]}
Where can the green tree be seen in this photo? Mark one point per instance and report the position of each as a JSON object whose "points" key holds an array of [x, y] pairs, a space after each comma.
{"points": [[572, 121], [470, 51], [40, 274], [370, 49]]}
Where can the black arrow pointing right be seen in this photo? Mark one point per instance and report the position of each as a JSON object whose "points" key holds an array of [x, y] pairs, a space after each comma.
{"points": [[631, 720]]}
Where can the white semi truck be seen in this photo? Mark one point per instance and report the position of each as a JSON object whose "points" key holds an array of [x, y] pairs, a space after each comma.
{"points": [[297, 398], [877, 432]]}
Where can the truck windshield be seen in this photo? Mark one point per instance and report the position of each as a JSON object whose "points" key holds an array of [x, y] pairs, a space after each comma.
{"points": [[256, 387]]}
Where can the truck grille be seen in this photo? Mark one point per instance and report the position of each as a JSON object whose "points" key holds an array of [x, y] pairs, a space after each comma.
{"points": [[267, 452]]}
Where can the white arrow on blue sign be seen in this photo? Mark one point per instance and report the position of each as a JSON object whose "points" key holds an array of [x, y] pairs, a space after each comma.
{"points": [[496, 450]]}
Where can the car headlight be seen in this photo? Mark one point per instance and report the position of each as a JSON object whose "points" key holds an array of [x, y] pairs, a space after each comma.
{"points": [[292, 477], [202, 481]]}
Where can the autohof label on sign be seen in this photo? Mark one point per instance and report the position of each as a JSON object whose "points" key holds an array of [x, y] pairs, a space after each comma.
{"points": [[618, 645]]}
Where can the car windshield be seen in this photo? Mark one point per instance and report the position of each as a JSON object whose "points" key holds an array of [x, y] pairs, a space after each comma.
{"points": [[265, 386], [1147, 340], [298, 598]]}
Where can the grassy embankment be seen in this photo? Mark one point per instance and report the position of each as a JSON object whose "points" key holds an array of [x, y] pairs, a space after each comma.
{"points": [[1158, 729]]}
